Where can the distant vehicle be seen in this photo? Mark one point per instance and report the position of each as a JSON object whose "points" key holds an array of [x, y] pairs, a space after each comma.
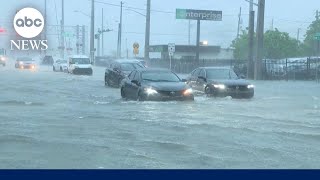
{"points": [[25, 63], [3, 57], [60, 65], [220, 82], [47, 60], [118, 70], [3, 60], [80, 64], [155, 85]]}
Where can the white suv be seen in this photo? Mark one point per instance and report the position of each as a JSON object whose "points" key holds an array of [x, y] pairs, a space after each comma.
{"points": [[80, 64]]}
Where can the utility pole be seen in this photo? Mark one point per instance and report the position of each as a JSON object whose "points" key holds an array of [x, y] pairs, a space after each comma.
{"points": [[147, 33], [239, 22], [120, 30], [62, 31], [298, 35], [118, 49], [98, 41], [251, 44], [45, 24], [83, 40], [78, 39], [250, 67], [260, 40], [198, 43], [92, 50], [272, 25], [102, 36], [189, 33]]}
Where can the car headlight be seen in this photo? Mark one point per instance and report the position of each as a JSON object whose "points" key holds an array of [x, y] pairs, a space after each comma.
{"points": [[151, 91], [3, 59], [20, 63], [219, 86], [250, 86], [188, 92]]}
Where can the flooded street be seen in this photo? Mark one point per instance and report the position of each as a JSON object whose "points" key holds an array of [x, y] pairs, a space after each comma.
{"points": [[57, 120]]}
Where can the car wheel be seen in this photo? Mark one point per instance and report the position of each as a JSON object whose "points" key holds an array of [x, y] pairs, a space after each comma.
{"points": [[123, 95], [54, 69], [106, 81], [141, 97], [61, 70]]}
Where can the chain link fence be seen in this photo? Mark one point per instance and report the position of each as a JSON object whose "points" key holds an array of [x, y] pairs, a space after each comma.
{"points": [[281, 69]]}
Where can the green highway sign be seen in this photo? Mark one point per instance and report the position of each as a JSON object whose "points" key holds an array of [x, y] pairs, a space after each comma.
{"points": [[193, 14]]}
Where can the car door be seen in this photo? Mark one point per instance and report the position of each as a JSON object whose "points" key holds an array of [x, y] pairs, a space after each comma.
{"points": [[201, 82], [134, 88], [193, 78], [128, 84]]}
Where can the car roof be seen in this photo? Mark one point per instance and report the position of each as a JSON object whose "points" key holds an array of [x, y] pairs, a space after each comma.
{"points": [[126, 61], [154, 70]]}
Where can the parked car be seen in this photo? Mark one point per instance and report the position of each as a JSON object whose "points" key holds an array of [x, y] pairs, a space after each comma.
{"points": [[80, 64], [60, 65], [155, 85], [220, 82], [3, 60], [47, 60], [118, 70], [25, 63]]}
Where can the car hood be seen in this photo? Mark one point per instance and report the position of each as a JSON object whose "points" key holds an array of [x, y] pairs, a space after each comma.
{"points": [[230, 82], [167, 86]]}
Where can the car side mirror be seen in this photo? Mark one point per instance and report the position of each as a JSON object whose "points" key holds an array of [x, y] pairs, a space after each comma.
{"points": [[203, 78], [136, 82], [184, 80], [242, 76]]}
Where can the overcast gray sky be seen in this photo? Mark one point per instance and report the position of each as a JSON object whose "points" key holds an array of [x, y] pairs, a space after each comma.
{"points": [[288, 15]]}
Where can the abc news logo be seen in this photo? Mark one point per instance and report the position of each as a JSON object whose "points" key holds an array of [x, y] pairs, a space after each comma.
{"points": [[28, 23]]}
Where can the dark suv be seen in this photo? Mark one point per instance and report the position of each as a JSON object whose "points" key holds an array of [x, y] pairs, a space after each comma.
{"points": [[118, 70]]}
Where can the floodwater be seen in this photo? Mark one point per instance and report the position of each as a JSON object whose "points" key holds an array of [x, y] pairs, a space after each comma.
{"points": [[57, 120]]}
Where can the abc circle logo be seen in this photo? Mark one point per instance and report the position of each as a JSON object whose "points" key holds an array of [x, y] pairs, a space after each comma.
{"points": [[28, 22]]}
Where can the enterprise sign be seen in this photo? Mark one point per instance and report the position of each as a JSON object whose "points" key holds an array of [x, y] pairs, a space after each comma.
{"points": [[198, 14]]}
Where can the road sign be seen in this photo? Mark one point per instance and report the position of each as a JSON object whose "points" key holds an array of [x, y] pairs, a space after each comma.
{"points": [[136, 48], [171, 48], [193, 14]]}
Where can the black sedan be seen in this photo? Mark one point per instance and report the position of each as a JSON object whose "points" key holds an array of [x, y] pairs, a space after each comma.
{"points": [[220, 82], [155, 85], [25, 63], [120, 69]]}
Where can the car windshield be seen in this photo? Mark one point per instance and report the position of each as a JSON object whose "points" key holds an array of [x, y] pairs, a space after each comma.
{"points": [[25, 59], [221, 74], [130, 66], [160, 76], [80, 61]]}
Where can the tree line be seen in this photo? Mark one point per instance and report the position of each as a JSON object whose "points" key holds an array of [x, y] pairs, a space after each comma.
{"points": [[279, 45]]}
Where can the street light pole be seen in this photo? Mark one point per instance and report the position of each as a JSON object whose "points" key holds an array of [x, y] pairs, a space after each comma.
{"points": [[120, 31], [92, 33], [102, 37], [147, 33]]}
